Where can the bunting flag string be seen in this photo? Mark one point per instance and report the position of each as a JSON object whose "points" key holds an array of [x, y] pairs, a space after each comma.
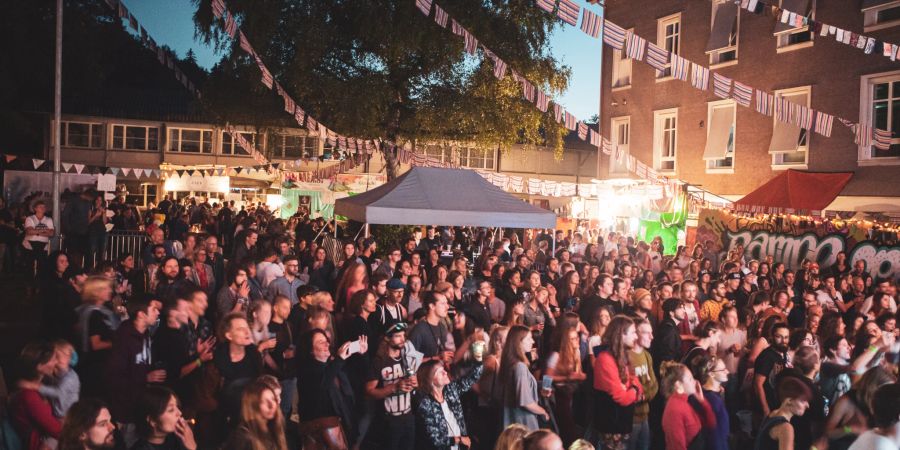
{"points": [[166, 57], [291, 107], [867, 44], [724, 87]]}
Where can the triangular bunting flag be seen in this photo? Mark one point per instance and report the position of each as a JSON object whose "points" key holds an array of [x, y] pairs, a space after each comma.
{"points": [[79, 168], [66, 166], [37, 162]]}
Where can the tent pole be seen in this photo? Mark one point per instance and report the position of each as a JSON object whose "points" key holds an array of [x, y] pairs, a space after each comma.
{"points": [[367, 229], [553, 237]]}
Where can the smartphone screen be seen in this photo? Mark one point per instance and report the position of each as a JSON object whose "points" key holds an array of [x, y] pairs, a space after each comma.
{"points": [[547, 382], [354, 347]]}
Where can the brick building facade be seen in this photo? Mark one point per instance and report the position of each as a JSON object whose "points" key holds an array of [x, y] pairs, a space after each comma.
{"points": [[731, 150]]}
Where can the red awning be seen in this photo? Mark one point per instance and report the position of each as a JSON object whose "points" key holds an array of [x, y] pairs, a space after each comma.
{"points": [[795, 192]]}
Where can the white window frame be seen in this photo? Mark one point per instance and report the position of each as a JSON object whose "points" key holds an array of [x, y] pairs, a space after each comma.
{"points": [[466, 161], [278, 148], [783, 39], [866, 93], [659, 121], [114, 144], [229, 142], [870, 17], [778, 162], [715, 56], [620, 65], [661, 38], [171, 142], [614, 123], [64, 141], [711, 167]]}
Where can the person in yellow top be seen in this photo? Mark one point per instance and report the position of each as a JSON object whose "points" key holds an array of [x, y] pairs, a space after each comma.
{"points": [[712, 306]]}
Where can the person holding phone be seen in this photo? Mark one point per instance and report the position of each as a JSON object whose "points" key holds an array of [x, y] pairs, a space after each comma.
{"points": [[325, 395], [439, 414]]}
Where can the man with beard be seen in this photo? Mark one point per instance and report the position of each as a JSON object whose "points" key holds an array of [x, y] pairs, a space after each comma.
{"points": [[391, 381], [88, 426], [768, 365], [287, 284], [170, 280], [667, 344]]}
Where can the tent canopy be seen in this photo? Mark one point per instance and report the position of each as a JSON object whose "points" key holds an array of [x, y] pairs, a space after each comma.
{"points": [[455, 197], [796, 190]]}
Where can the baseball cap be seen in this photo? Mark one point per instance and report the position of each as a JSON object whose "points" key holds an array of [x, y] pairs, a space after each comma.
{"points": [[733, 276], [395, 284], [398, 327]]}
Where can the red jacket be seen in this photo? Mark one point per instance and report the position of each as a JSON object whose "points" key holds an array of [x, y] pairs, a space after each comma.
{"points": [[681, 422], [606, 379], [33, 418]]}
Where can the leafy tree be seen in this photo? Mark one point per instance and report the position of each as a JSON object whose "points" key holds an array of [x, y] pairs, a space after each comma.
{"points": [[379, 68]]}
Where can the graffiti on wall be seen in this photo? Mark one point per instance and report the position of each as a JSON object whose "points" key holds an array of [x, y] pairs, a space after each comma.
{"points": [[790, 242]]}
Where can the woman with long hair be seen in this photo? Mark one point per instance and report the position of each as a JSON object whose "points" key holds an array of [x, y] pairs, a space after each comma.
{"points": [[563, 365], [29, 412], [324, 386], [439, 414], [88, 425], [509, 290], [437, 275], [511, 437], [776, 431], [851, 415], [260, 315], [490, 389], [413, 298], [354, 279], [520, 390], [515, 314], [616, 388], [261, 426], [713, 375], [683, 418], [160, 423], [568, 296], [321, 270], [456, 280]]}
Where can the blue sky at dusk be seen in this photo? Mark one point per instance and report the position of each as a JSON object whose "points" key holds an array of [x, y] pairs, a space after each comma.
{"points": [[170, 22]]}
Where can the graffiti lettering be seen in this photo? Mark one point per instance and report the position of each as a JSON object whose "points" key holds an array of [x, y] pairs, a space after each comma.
{"points": [[883, 262], [791, 250]]}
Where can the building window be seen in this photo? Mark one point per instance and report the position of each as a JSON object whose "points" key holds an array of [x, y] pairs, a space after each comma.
{"points": [[878, 14], [722, 46], [621, 138], [668, 36], [665, 139], [621, 69], [880, 106], [719, 150], [132, 137], [80, 134], [231, 147], [185, 140], [470, 157], [294, 146], [787, 34], [790, 143]]}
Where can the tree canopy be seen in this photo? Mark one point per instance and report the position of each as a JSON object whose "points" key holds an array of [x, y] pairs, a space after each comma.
{"points": [[380, 68]]}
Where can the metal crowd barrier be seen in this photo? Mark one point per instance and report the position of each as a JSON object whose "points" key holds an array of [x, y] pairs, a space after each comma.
{"points": [[131, 242]]}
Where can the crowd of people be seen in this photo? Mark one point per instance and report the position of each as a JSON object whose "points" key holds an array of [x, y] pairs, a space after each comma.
{"points": [[235, 329]]}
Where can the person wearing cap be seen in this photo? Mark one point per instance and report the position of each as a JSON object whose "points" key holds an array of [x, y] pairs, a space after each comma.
{"points": [[745, 289], [667, 343], [641, 304], [391, 311], [390, 381]]}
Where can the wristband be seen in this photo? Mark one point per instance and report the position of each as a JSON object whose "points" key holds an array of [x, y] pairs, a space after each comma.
{"points": [[873, 348], [847, 429], [199, 362]]}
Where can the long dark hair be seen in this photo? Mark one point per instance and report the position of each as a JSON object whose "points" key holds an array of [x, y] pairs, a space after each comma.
{"points": [[80, 418], [616, 345], [152, 404], [512, 350]]}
